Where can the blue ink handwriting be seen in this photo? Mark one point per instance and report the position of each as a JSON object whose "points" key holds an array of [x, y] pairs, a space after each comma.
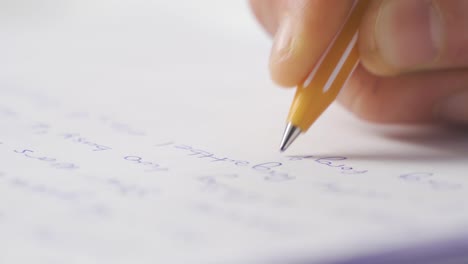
{"points": [[75, 138], [53, 162], [336, 162], [149, 166]]}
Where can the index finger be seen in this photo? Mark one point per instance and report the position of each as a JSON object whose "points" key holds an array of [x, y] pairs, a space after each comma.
{"points": [[303, 30]]}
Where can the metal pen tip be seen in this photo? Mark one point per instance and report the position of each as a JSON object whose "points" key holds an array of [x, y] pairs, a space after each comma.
{"points": [[290, 134]]}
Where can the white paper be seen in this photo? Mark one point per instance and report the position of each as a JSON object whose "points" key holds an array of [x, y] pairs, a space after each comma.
{"points": [[148, 132]]}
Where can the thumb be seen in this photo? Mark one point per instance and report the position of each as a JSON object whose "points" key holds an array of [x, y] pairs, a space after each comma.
{"points": [[401, 36]]}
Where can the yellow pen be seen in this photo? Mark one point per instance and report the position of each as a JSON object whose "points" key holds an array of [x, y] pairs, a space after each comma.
{"points": [[324, 83]]}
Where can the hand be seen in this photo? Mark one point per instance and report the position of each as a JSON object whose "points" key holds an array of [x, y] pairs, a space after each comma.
{"points": [[414, 54]]}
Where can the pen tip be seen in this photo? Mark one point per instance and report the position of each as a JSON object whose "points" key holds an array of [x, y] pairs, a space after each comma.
{"points": [[290, 135]]}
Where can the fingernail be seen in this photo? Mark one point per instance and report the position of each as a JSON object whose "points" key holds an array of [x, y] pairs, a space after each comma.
{"points": [[409, 33], [285, 41], [453, 109]]}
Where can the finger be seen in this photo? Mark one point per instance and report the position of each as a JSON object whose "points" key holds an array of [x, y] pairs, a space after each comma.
{"points": [[412, 98], [303, 30], [268, 13], [400, 36]]}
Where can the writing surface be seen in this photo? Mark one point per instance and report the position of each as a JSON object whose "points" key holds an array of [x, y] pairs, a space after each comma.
{"points": [[119, 145]]}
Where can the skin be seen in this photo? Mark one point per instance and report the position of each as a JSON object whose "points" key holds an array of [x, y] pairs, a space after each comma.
{"points": [[414, 55]]}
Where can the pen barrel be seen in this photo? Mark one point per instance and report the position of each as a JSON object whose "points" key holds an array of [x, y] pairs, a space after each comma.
{"points": [[330, 74]]}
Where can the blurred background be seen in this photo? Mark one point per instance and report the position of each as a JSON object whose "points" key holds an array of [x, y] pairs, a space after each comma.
{"points": [[143, 55]]}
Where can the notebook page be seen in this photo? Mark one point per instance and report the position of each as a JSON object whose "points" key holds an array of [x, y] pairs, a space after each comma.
{"points": [[141, 132]]}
